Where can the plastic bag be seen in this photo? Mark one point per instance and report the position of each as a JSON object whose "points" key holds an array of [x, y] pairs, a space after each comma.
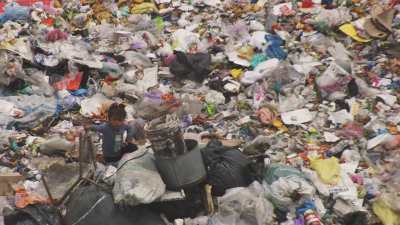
{"points": [[70, 82], [330, 81], [36, 110], [281, 182], [291, 103], [137, 180], [56, 145], [262, 70], [275, 171], [385, 214], [333, 17], [351, 130], [195, 67], [281, 191], [14, 12], [89, 205], [226, 167], [244, 206], [93, 106], [56, 35], [327, 169], [274, 49], [33, 214], [183, 39], [23, 198]]}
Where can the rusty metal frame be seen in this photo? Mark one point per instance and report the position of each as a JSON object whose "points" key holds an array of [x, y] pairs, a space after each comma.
{"points": [[92, 160]]}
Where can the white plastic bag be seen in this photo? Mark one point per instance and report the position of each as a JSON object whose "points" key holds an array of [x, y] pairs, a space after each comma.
{"points": [[56, 145], [244, 206], [137, 180], [93, 105]]}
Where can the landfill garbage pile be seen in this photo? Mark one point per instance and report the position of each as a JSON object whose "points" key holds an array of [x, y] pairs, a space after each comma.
{"points": [[200, 112]]}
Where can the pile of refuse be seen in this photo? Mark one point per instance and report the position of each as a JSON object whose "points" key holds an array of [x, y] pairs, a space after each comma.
{"points": [[235, 112]]}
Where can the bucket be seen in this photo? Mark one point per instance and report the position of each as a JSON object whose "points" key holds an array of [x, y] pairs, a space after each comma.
{"points": [[166, 137], [182, 171]]}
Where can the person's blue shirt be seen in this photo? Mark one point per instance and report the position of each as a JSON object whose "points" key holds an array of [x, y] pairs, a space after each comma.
{"points": [[114, 138]]}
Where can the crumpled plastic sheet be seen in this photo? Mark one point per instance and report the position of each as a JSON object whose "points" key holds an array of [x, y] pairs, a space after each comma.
{"points": [[14, 12], [244, 206], [385, 213], [332, 17], [327, 169], [35, 109], [282, 182]]}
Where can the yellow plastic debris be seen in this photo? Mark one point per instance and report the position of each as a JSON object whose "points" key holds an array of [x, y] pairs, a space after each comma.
{"points": [[146, 7], [328, 170], [246, 52], [351, 31], [236, 73], [277, 123], [385, 213]]}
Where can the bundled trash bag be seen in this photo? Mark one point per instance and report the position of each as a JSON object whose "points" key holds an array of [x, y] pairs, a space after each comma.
{"points": [[33, 215], [226, 167], [91, 206], [137, 180], [194, 67], [244, 206]]}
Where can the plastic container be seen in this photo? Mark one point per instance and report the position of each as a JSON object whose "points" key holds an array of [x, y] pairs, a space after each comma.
{"points": [[184, 170]]}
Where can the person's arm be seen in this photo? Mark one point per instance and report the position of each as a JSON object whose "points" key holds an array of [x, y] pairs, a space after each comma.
{"points": [[136, 132], [130, 137]]}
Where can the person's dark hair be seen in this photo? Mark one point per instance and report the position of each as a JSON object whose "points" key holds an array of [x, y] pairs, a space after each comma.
{"points": [[117, 112]]}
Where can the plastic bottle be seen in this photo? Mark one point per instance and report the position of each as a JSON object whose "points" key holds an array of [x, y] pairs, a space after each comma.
{"points": [[211, 109]]}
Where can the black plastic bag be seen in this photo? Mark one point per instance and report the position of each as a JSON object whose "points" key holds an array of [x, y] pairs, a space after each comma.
{"points": [[91, 206], [194, 67], [226, 167], [33, 215]]}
